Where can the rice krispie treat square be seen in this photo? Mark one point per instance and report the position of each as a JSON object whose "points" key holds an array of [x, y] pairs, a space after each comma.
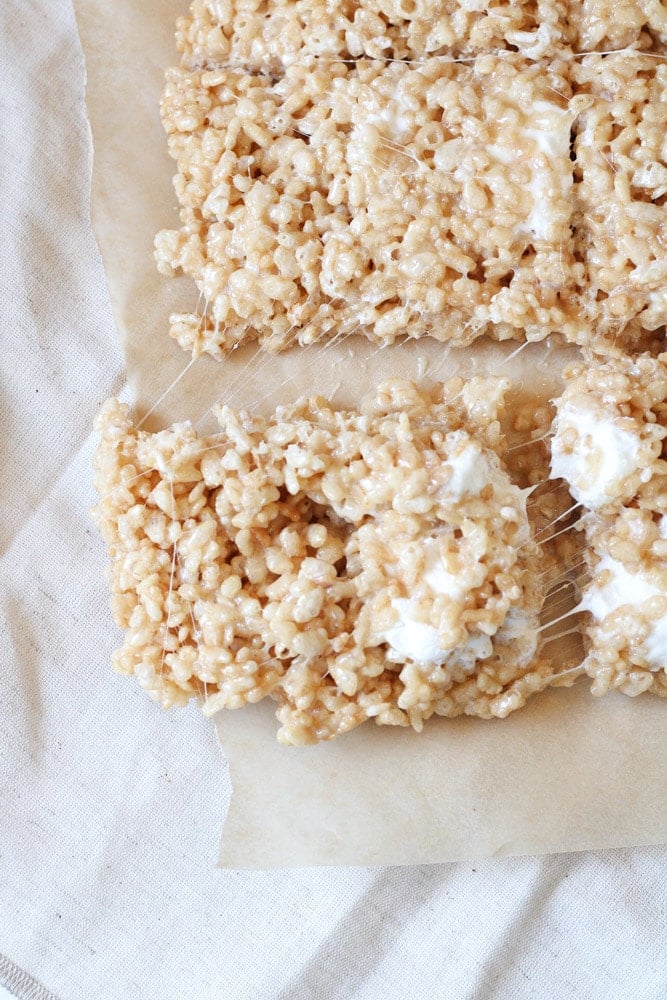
{"points": [[351, 564], [620, 223], [259, 37], [609, 433], [626, 599], [448, 168], [609, 446], [386, 199], [267, 38]]}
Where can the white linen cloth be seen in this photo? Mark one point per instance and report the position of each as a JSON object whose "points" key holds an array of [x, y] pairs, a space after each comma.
{"points": [[110, 810]]}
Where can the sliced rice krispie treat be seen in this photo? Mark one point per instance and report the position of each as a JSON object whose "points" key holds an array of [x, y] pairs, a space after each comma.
{"points": [[608, 445], [384, 199], [261, 37], [621, 183], [351, 564], [626, 599], [268, 37], [608, 433]]}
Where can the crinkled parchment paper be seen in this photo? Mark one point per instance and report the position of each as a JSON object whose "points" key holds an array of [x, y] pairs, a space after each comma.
{"points": [[568, 772]]}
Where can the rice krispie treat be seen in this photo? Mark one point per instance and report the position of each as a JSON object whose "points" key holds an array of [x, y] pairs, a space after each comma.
{"points": [[241, 33], [608, 445], [626, 599], [608, 434], [397, 169], [351, 564], [386, 199], [621, 183]]}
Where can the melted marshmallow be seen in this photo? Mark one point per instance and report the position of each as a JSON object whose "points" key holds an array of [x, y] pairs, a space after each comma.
{"points": [[393, 120], [551, 128], [410, 638], [519, 624], [656, 645], [549, 134], [534, 45], [625, 589], [439, 579], [470, 471], [604, 455], [475, 648], [393, 123], [419, 641], [413, 640]]}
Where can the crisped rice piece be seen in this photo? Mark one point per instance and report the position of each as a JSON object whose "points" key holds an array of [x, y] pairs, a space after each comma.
{"points": [[621, 184], [351, 564], [609, 431], [390, 200], [627, 602], [243, 33]]}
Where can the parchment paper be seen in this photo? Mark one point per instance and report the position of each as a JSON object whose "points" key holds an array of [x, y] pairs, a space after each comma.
{"points": [[568, 772]]}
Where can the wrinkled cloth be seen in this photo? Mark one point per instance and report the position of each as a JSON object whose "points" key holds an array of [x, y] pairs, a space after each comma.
{"points": [[110, 810]]}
